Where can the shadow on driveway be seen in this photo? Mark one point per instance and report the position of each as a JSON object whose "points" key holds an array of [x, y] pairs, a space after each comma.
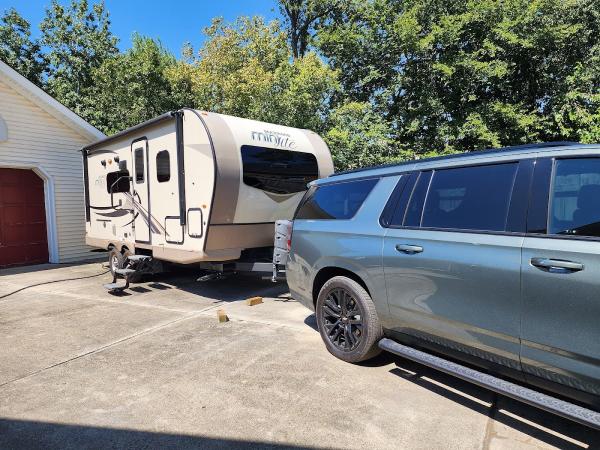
{"points": [[232, 288], [21, 434], [541, 425]]}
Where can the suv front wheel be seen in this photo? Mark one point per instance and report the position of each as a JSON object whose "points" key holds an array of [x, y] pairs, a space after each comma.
{"points": [[347, 320]]}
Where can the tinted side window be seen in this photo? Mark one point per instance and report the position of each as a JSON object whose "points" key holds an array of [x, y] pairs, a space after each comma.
{"points": [[575, 198], [163, 166], [278, 171], [470, 198], [415, 206], [335, 201], [117, 181], [391, 207], [139, 165], [400, 206]]}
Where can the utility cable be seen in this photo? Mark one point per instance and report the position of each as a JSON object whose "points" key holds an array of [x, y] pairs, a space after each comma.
{"points": [[51, 282]]}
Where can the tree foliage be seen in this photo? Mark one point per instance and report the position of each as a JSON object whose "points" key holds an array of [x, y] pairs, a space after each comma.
{"points": [[380, 80], [303, 17], [132, 87], [245, 69], [79, 40], [460, 75], [18, 49], [359, 137]]}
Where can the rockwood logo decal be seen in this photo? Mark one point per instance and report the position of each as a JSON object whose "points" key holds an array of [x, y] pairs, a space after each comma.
{"points": [[276, 138]]}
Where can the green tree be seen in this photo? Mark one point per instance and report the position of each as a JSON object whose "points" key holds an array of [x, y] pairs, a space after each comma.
{"points": [[358, 136], [302, 17], [79, 40], [245, 69], [578, 112], [452, 75], [18, 49], [132, 87]]}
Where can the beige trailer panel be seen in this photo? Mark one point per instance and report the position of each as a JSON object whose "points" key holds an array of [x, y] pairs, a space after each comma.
{"points": [[189, 198]]}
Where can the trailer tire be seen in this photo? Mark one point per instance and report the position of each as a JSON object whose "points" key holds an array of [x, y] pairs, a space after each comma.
{"points": [[116, 260], [347, 320]]}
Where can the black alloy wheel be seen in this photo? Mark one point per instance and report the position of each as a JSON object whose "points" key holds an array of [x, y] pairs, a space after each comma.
{"points": [[342, 319]]}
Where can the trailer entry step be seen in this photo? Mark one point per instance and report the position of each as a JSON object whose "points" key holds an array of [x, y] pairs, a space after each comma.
{"points": [[138, 257], [554, 405], [115, 286], [125, 271]]}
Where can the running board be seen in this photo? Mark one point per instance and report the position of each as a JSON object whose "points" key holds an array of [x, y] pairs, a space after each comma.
{"points": [[553, 405]]}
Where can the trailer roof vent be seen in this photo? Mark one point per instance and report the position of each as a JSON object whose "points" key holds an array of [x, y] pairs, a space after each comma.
{"points": [[3, 130]]}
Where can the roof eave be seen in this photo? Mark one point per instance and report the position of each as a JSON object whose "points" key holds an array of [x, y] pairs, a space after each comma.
{"points": [[48, 103]]}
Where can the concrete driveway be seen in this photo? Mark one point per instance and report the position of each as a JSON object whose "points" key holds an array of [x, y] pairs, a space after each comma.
{"points": [[81, 368]]}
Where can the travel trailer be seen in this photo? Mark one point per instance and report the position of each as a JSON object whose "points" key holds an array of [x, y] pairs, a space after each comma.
{"points": [[195, 187]]}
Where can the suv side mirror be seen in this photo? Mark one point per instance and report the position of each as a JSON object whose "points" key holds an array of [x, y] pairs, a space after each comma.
{"points": [[122, 165]]}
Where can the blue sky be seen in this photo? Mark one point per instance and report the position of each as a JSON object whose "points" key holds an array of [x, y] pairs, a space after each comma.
{"points": [[173, 21]]}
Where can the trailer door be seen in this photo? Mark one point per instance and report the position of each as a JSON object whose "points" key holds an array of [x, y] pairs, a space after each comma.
{"points": [[141, 193]]}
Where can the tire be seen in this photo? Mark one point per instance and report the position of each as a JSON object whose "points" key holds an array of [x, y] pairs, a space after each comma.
{"points": [[350, 337], [116, 260]]}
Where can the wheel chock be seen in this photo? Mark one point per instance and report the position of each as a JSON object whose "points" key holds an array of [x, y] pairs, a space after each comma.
{"points": [[254, 301], [222, 316]]}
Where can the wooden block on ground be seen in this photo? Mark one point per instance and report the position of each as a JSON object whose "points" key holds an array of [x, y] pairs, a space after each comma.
{"points": [[222, 315], [254, 301]]}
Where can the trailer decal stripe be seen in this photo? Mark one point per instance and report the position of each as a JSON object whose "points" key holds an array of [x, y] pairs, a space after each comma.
{"points": [[116, 213]]}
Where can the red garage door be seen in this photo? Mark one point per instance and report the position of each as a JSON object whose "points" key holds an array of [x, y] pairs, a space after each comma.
{"points": [[23, 238]]}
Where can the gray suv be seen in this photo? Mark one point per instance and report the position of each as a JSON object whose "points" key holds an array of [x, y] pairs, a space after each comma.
{"points": [[490, 258]]}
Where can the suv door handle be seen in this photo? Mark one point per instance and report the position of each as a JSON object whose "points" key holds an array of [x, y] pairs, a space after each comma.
{"points": [[556, 265], [409, 249]]}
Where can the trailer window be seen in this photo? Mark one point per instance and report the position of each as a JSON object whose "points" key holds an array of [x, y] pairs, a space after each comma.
{"points": [[139, 165], [117, 181], [278, 171], [163, 166]]}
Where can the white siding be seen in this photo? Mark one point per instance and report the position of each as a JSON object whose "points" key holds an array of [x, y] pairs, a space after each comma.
{"points": [[35, 138]]}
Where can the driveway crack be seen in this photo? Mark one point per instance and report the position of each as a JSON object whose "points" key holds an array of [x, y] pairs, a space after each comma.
{"points": [[489, 427]]}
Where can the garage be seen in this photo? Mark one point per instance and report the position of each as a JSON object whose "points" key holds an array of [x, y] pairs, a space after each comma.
{"points": [[23, 235], [42, 218]]}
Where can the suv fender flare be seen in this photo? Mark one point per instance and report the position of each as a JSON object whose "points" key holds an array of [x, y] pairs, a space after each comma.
{"points": [[339, 266]]}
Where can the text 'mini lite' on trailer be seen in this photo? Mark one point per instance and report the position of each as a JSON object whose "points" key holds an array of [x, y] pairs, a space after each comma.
{"points": [[193, 186]]}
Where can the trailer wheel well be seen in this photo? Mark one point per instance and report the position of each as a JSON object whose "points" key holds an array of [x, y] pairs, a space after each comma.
{"points": [[328, 273]]}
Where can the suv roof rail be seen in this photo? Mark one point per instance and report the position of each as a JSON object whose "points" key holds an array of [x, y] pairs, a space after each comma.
{"points": [[474, 153]]}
